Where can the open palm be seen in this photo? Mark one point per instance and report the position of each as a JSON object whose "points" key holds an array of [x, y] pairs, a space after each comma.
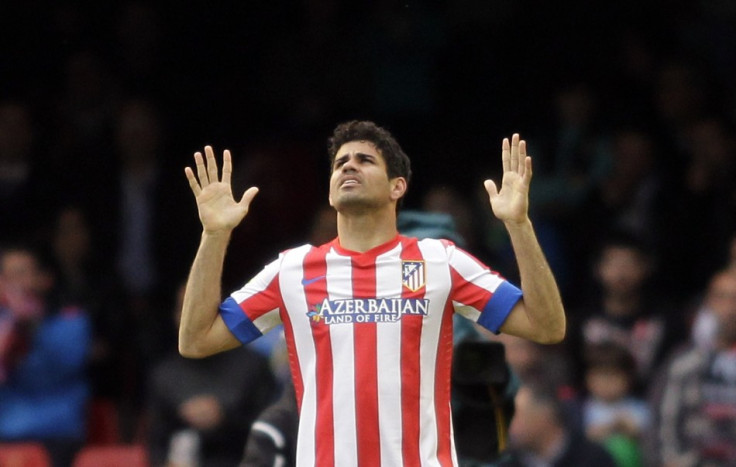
{"points": [[218, 210], [511, 202]]}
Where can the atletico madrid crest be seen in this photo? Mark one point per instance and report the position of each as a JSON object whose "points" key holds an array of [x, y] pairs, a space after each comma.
{"points": [[412, 274]]}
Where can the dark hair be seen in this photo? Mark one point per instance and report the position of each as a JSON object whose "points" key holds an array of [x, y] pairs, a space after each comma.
{"points": [[544, 393], [397, 162], [627, 239], [609, 355]]}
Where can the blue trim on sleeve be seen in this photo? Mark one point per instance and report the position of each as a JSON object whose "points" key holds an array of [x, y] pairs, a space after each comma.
{"points": [[499, 306], [238, 322]]}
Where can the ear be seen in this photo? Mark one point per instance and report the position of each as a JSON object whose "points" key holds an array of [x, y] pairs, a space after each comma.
{"points": [[398, 188]]}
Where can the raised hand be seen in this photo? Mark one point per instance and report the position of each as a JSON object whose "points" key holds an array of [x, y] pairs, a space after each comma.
{"points": [[218, 210], [510, 204]]}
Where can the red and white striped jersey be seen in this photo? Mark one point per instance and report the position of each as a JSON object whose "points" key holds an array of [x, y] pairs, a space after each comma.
{"points": [[369, 338]]}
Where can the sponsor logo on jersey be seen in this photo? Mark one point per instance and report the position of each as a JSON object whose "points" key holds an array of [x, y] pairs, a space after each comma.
{"points": [[367, 310], [412, 274]]}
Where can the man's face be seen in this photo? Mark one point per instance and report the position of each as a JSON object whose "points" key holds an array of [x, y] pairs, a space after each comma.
{"points": [[19, 273], [530, 422], [622, 270], [721, 299], [359, 179]]}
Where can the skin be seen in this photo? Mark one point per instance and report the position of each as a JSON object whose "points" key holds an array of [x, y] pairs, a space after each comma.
{"points": [[534, 427], [365, 199]]}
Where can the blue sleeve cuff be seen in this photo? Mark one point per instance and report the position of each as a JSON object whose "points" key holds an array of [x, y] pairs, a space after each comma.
{"points": [[499, 306], [237, 321]]}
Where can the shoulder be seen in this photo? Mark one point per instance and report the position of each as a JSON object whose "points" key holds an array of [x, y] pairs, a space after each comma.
{"points": [[66, 318], [687, 362]]}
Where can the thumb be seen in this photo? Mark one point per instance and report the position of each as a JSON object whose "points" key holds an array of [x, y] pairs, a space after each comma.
{"points": [[490, 186], [248, 196]]}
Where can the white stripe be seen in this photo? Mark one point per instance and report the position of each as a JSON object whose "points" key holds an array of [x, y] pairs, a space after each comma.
{"points": [[438, 280], [259, 282], [473, 272], [466, 311], [268, 320], [270, 431], [295, 302], [388, 345], [340, 286]]}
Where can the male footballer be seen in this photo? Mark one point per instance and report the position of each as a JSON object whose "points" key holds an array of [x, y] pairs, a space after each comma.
{"points": [[368, 315]]}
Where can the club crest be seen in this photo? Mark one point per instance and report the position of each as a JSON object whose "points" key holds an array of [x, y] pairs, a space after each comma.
{"points": [[412, 274]]}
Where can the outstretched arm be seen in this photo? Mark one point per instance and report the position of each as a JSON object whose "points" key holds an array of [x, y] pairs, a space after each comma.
{"points": [[202, 331], [539, 316]]}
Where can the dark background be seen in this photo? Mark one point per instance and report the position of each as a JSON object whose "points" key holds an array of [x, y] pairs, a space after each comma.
{"points": [[592, 85]]}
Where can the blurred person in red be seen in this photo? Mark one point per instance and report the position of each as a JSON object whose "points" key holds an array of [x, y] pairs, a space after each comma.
{"points": [[43, 357]]}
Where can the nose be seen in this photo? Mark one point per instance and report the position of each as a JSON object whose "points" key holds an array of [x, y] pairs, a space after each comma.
{"points": [[350, 164]]}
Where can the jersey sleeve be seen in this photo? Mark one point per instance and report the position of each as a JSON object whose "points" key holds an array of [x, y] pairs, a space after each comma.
{"points": [[254, 309], [478, 293]]}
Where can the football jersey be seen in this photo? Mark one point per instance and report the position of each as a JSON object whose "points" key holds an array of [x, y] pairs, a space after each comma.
{"points": [[369, 338]]}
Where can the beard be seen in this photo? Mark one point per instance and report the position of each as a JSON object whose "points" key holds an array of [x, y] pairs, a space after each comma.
{"points": [[354, 203]]}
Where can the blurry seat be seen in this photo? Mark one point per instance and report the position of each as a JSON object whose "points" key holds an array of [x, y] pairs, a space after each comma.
{"points": [[119, 455], [24, 455], [103, 423]]}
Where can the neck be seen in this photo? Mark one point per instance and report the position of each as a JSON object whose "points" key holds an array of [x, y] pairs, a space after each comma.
{"points": [[361, 232], [621, 305]]}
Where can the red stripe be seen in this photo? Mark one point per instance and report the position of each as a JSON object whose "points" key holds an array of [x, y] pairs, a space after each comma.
{"points": [[262, 302], [468, 293], [366, 370], [296, 372], [411, 334], [442, 388], [315, 292]]}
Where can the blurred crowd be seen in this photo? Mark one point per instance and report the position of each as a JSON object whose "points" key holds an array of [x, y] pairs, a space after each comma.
{"points": [[629, 111]]}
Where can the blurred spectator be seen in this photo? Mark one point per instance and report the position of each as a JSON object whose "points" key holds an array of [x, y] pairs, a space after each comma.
{"points": [[533, 362], [700, 209], [21, 205], [695, 400], [449, 200], [568, 165], [43, 354], [612, 415], [704, 321], [570, 162], [84, 113], [76, 263], [624, 310], [272, 439], [681, 95], [201, 410], [540, 436], [627, 195]]}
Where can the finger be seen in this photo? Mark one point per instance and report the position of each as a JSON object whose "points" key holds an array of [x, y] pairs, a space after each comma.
{"points": [[248, 196], [490, 186], [514, 166], [505, 154], [522, 157], [227, 166], [211, 164], [527, 170], [196, 189], [201, 170]]}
